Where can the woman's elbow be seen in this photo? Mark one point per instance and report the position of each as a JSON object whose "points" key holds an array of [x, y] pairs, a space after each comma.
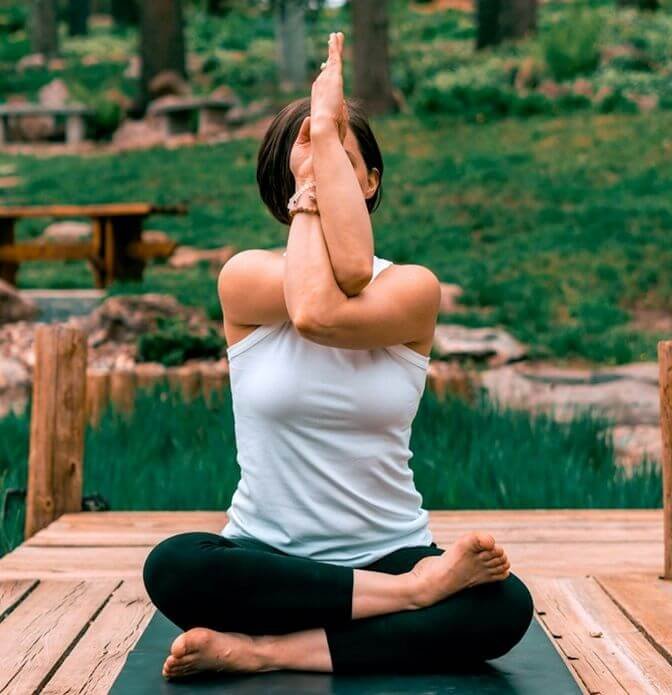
{"points": [[354, 281]]}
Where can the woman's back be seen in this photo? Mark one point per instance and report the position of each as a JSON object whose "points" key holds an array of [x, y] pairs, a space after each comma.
{"points": [[323, 445]]}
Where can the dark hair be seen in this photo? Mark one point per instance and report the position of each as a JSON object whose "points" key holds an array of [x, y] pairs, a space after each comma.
{"points": [[274, 177]]}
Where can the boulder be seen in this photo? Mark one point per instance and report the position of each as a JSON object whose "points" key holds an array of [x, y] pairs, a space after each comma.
{"points": [[54, 95], [451, 378], [168, 83], [67, 231], [30, 128], [138, 134], [13, 373], [34, 60], [492, 345], [450, 296], [14, 307], [626, 395], [121, 319], [188, 257], [634, 443]]}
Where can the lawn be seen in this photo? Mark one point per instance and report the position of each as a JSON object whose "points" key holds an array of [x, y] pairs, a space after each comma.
{"points": [[177, 456]]}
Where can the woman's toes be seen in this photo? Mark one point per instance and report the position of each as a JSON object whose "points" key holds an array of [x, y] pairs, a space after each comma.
{"points": [[495, 563], [179, 647], [485, 541]]}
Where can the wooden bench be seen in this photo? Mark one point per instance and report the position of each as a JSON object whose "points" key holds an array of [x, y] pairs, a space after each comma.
{"points": [[74, 116], [116, 250], [175, 117]]}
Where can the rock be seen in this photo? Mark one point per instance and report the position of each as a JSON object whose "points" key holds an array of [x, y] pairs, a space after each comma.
{"points": [[34, 60], [168, 83], [30, 128], [450, 295], [133, 69], [627, 397], [137, 134], [583, 87], [551, 90], [527, 74], [493, 345], [13, 373], [451, 378], [634, 443], [54, 94], [188, 257], [56, 65], [14, 307], [90, 60], [121, 319], [67, 231], [645, 102]]}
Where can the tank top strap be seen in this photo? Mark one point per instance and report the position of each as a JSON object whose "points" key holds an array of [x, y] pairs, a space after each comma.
{"points": [[379, 264]]}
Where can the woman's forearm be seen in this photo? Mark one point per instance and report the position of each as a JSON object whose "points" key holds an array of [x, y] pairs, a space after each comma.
{"points": [[346, 224]]}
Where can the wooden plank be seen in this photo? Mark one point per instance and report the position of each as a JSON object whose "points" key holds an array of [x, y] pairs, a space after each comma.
{"points": [[46, 251], [607, 652], [102, 210], [13, 592], [665, 381], [647, 601], [94, 663], [69, 563], [57, 426], [42, 629]]}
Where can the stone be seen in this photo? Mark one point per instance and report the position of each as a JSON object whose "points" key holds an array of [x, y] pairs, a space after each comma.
{"points": [[34, 60], [54, 95], [168, 83], [644, 102], [13, 373], [67, 231], [450, 295], [239, 115], [140, 134], [635, 443], [551, 90], [123, 318], [583, 87], [626, 395], [189, 257], [14, 307], [451, 378], [29, 128], [492, 345]]}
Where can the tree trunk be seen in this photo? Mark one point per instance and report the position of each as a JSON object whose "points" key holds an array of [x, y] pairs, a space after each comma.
{"points": [[641, 4], [499, 20], [161, 41], [43, 27], [125, 12], [78, 17], [371, 62], [290, 32]]}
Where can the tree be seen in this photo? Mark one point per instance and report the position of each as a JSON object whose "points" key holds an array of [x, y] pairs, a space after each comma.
{"points": [[371, 61], [290, 32], [78, 17], [161, 41], [499, 20], [641, 4], [43, 26]]}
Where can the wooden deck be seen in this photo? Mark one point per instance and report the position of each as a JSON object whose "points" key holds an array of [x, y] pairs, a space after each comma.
{"points": [[72, 604]]}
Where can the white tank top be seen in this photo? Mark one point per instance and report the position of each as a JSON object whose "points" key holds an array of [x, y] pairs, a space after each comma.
{"points": [[322, 435]]}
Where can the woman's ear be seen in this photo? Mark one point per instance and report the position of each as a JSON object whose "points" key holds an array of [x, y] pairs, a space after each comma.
{"points": [[373, 180]]}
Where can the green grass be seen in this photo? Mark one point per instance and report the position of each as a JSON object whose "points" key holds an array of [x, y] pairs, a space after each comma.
{"points": [[177, 456], [557, 228]]}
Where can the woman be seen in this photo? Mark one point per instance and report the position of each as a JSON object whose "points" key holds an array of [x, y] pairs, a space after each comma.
{"points": [[326, 562]]}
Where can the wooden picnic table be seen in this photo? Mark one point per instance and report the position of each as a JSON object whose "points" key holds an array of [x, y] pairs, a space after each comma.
{"points": [[116, 250]]}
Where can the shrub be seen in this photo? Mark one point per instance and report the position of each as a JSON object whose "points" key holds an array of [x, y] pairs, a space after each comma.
{"points": [[571, 46], [173, 344]]}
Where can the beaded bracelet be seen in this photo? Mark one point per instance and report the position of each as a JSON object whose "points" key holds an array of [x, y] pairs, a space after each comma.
{"points": [[293, 203]]}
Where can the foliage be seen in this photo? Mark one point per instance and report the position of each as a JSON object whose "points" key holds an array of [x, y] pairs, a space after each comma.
{"points": [[172, 343], [173, 455], [571, 46]]}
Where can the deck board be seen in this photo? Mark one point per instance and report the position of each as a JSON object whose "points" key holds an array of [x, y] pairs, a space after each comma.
{"points": [[73, 605]]}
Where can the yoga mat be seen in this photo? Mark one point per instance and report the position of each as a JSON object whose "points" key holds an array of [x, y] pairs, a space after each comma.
{"points": [[532, 667]]}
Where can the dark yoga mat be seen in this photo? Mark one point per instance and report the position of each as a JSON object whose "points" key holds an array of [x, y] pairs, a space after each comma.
{"points": [[530, 668]]}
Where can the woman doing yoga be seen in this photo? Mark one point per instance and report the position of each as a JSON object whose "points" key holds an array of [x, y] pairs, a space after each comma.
{"points": [[326, 562]]}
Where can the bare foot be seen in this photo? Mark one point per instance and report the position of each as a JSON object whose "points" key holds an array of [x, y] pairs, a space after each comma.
{"points": [[471, 560], [201, 649]]}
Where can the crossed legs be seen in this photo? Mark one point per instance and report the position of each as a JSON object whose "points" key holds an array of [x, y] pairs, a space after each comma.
{"points": [[417, 609]]}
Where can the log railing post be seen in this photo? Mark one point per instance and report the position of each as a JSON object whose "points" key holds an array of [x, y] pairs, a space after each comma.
{"points": [[665, 366], [57, 426]]}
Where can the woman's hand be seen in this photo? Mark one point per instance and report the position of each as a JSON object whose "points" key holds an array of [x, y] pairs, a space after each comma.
{"points": [[327, 107], [301, 156]]}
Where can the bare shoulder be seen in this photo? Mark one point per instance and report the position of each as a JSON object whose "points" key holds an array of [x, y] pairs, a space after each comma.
{"points": [[417, 283], [252, 267]]}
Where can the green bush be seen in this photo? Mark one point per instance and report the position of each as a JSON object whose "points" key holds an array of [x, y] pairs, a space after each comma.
{"points": [[571, 46], [173, 344]]}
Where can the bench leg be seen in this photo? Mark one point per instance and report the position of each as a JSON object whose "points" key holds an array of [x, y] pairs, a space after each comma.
{"points": [[212, 121], [121, 265], [8, 270], [74, 130], [3, 130]]}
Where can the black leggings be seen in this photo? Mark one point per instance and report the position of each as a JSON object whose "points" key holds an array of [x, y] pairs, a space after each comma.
{"points": [[205, 580]]}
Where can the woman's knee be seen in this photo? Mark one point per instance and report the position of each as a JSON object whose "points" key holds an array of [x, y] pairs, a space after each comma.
{"points": [[170, 567], [515, 610]]}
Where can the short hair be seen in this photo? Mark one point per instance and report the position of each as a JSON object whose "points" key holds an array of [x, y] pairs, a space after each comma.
{"points": [[274, 177]]}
